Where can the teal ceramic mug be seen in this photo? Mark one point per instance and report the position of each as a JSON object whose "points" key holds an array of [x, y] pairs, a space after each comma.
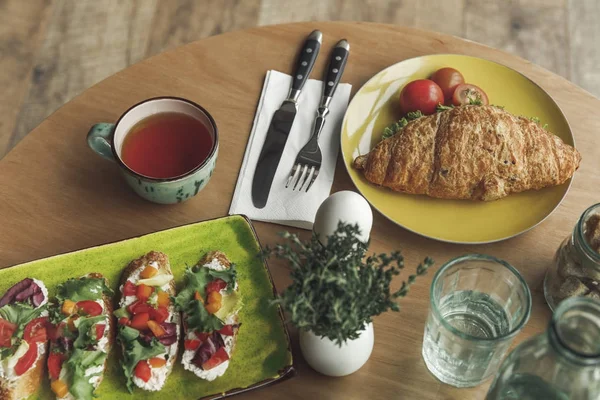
{"points": [[107, 139]]}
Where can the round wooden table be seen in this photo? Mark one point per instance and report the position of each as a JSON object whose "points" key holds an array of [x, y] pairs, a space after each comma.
{"points": [[57, 196]]}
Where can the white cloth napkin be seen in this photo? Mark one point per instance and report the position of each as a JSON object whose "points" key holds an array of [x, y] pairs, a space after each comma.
{"points": [[285, 206]]}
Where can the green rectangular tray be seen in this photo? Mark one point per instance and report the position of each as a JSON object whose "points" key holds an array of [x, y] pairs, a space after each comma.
{"points": [[263, 353]]}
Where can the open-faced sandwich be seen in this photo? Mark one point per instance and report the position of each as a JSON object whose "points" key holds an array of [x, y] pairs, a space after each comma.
{"points": [[23, 338], [148, 322], [80, 336], [210, 303]]}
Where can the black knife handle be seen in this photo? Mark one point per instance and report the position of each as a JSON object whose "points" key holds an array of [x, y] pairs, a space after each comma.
{"points": [[306, 60], [337, 63]]}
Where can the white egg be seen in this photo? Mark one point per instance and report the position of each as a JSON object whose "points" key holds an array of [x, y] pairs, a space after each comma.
{"points": [[346, 206]]}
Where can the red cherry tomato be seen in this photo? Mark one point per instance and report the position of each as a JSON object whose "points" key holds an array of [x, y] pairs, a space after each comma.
{"points": [[447, 79], [202, 336], [27, 360], [138, 307], [55, 361], [89, 307], [466, 94], [159, 314], [35, 331], [123, 321], [100, 328], [191, 344], [227, 330], [217, 359], [215, 285], [129, 289], [140, 321], [421, 95], [7, 329], [56, 331], [143, 371]]}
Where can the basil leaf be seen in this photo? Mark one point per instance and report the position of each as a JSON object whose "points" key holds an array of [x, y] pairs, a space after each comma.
{"points": [[136, 352], [83, 289]]}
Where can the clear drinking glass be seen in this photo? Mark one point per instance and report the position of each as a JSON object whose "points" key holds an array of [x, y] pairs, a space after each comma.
{"points": [[562, 363], [478, 304]]}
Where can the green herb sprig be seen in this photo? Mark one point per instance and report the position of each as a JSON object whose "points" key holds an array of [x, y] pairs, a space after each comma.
{"points": [[396, 127], [336, 290]]}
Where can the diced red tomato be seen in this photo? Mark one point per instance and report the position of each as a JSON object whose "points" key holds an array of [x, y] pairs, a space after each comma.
{"points": [[7, 329], [35, 331], [143, 371], [164, 300], [216, 285], [227, 330], [129, 289], [217, 359], [100, 328], [159, 314], [156, 329], [138, 307], [89, 307], [27, 360], [55, 361], [157, 362], [143, 292], [191, 344], [124, 321], [140, 321], [202, 336]]}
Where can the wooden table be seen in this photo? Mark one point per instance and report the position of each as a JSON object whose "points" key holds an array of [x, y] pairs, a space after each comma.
{"points": [[57, 196]]}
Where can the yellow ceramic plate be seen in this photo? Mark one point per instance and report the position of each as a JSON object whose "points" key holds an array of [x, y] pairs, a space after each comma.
{"points": [[375, 106]]}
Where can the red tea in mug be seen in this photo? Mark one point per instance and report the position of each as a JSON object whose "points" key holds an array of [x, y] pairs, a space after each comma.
{"points": [[166, 145]]}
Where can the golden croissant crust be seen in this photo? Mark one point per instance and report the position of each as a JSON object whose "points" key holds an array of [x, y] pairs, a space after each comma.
{"points": [[470, 152]]}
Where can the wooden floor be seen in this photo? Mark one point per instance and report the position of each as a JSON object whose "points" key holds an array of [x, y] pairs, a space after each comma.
{"points": [[52, 50]]}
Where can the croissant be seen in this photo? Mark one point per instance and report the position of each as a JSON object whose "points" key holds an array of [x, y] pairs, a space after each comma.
{"points": [[470, 152]]}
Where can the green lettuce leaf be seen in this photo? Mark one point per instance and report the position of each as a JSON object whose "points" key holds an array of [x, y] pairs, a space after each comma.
{"points": [[20, 314], [87, 331], [76, 367], [136, 352], [196, 280], [83, 289]]}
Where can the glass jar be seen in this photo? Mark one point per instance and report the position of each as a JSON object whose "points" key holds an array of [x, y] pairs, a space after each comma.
{"points": [[576, 267], [562, 363]]}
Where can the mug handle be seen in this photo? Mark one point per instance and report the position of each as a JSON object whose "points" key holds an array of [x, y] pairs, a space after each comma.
{"points": [[99, 138]]}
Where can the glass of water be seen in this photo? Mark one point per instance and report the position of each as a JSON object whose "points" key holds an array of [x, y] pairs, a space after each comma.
{"points": [[478, 304]]}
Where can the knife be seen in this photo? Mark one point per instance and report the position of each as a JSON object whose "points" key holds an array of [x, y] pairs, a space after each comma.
{"points": [[282, 122]]}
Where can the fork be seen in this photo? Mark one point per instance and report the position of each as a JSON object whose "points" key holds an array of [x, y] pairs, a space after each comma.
{"points": [[308, 162]]}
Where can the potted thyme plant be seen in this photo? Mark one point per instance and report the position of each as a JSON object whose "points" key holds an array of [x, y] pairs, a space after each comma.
{"points": [[336, 290]]}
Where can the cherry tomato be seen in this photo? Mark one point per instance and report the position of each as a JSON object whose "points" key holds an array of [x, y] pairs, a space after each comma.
{"points": [[35, 331], [143, 292], [6, 331], [467, 94], [100, 328], [55, 331], [447, 79], [217, 359], [159, 314], [202, 336], [129, 289], [27, 360], [421, 95], [124, 321], [89, 307], [143, 371], [216, 285], [191, 344], [138, 307], [227, 330], [140, 321], [55, 361]]}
